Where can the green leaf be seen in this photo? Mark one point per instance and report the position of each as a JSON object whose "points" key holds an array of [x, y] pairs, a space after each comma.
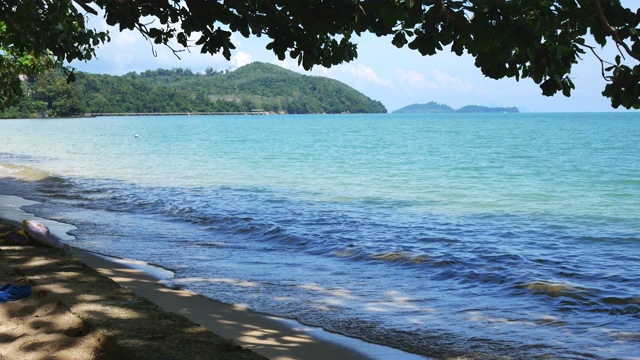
{"points": [[399, 40]]}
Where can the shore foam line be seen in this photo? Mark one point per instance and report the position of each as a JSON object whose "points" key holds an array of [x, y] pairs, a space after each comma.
{"points": [[273, 337]]}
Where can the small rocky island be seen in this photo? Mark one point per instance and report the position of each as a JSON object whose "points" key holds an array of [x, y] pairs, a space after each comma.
{"points": [[433, 107]]}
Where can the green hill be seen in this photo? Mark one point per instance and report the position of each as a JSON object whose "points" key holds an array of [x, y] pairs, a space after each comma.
{"points": [[433, 107], [255, 86], [424, 108], [484, 109]]}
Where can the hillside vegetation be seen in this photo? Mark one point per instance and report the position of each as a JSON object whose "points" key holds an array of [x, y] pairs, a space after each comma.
{"points": [[433, 107], [423, 108], [257, 86]]}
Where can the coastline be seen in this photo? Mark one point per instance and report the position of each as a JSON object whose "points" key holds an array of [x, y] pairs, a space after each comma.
{"points": [[478, 258], [125, 324]]}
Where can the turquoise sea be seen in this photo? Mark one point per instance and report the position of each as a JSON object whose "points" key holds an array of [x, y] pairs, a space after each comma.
{"points": [[478, 235]]}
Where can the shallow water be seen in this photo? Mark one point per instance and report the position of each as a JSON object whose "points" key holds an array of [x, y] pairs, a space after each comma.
{"points": [[475, 235]]}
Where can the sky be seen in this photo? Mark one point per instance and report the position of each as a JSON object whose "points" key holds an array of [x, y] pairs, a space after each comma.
{"points": [[395, 77]]}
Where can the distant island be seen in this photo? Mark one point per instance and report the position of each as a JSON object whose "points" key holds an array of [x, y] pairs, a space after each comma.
{"points": [[434, 107], [256, 88]]}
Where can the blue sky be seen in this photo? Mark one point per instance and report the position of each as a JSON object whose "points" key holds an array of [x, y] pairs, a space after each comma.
{"points": [[396, 77]]}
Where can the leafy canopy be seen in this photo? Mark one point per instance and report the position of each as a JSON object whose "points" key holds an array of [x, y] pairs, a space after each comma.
{"points": [[536, 39]]}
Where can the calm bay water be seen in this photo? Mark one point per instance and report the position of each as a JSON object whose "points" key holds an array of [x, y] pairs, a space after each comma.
{"points": [[512, 235]]}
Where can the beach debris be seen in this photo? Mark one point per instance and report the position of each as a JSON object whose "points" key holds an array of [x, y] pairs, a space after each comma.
{"points": [[11, 235], [10, 292], [15, 237], [39, 233]]}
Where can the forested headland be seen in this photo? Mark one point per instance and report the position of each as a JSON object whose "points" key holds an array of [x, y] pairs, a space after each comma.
{"points": [[434, 107], [257, 86]]}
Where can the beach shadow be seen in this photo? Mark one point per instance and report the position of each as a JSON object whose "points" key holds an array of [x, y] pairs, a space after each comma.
{"points": [[74, 312], [266, 335]]}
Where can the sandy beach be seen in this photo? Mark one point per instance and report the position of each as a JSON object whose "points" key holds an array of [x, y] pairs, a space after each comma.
{"points": [[91, 307], [74, 312]]}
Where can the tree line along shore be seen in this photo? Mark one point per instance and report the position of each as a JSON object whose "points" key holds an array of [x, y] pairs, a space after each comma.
{"points": [[254, 88]]}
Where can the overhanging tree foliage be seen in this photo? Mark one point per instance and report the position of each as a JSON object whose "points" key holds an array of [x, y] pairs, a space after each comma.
{"points": [[536, 39]]}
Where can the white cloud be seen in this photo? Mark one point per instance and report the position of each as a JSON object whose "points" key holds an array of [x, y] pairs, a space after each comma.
{"points": [[452, 83], [123, 53], [434, 80], [287, 64], [356, 75], [130, 51], [240, 59], [414, 80], [364, 73]]}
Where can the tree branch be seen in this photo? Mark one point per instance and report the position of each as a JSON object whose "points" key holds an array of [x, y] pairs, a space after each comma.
{"points": [[444, 12], [602, 62], [142, 29], [612, 31], [87, 8]]}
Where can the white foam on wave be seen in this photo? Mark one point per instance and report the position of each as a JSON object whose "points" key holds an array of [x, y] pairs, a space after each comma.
{"points": [[156, 272], [11, 210], [22, 172]]}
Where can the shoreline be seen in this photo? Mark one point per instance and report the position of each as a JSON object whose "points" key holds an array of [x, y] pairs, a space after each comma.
{"points": [[265, 335]]}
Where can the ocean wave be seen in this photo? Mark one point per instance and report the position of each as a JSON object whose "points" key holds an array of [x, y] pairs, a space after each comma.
{"points": [[551, 288], [22, 172], [609, 239], [402, 257], [16, 158], [579, 298], [622, 300], [414, 244]]}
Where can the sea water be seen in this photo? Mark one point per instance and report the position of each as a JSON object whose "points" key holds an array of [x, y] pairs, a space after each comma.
{"points": [[477, 235]]}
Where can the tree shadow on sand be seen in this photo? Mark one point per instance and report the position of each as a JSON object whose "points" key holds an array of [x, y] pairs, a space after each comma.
{"points": [[74, 311]]}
